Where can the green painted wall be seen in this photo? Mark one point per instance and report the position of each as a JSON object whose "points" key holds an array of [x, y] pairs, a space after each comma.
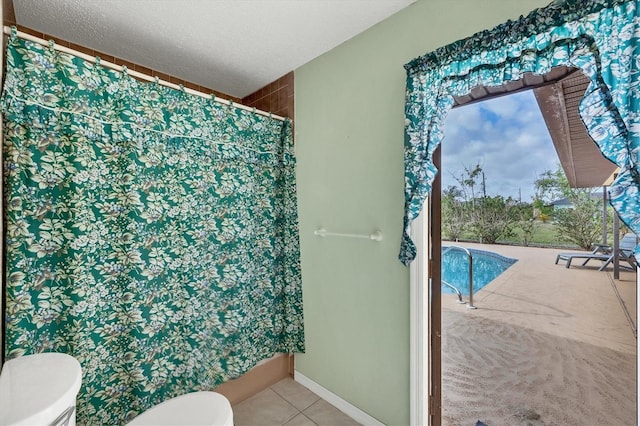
{"points": [[349, 141]]}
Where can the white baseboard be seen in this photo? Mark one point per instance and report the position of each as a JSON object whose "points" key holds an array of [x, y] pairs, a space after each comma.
{"points": [[350, 410]]}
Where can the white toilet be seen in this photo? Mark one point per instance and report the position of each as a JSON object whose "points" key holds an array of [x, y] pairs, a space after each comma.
{"points": [[41, 389], [197, 408]]}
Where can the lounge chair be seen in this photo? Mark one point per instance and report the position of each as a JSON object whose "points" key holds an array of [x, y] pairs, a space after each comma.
{"points": [[626, 247], [600, 252], [604, 253]]}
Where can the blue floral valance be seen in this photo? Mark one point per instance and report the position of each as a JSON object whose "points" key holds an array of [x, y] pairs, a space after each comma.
{"points": [[599, 37]]}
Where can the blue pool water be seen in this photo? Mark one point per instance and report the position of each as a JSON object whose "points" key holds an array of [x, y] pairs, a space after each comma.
{"points": [[486, 267]]}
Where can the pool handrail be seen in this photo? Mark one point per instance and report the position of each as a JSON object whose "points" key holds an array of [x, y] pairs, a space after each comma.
{"points": [[452, 287], [468, 252]]}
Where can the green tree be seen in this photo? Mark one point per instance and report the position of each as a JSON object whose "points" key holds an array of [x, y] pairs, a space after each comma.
{"points": [[580, 224], [468, 206], [527, 225], [492, 218], [454, 222]]}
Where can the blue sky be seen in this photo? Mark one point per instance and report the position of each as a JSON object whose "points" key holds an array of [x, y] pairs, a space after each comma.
{"points": [[507, 136]]}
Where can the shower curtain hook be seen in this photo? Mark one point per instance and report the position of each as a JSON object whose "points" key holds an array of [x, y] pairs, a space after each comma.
{"points": [[14, 31], [52, 44]]}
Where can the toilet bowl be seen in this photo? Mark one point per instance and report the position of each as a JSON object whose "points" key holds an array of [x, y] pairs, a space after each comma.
{"points": [[197, 408], [39, 389]]}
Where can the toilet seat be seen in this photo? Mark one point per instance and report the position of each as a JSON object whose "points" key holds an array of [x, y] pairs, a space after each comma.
{"points": [[197, 408], [39, 389]]}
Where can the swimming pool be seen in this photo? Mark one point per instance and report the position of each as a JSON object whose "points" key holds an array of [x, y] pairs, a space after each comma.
{"points": [[486, 267]]}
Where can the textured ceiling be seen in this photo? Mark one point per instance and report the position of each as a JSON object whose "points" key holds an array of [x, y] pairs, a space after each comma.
{"points": [[233, 46]]}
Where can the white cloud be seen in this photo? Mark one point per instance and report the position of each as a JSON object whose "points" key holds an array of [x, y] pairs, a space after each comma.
{"points": [[507, 136], [505, 107]]}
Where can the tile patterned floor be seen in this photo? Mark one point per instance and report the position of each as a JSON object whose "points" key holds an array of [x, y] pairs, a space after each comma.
{"points": [[288, 403]]}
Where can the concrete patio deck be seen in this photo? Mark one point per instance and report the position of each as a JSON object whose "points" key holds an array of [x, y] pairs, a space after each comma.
{"points": [[547, 346]]}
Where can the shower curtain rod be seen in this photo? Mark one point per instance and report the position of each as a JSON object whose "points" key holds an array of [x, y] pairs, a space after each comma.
{"points": [[8, 30]]}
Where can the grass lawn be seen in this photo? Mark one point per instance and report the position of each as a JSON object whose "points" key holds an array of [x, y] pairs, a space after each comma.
{"points": [[545, 235]]}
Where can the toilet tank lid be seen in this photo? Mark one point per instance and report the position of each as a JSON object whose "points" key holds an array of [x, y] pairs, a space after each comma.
{"points": [[36, 389], [196, 408]]}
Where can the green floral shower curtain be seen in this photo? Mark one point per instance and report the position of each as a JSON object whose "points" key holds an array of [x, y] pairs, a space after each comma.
{"points": [[151, 234], [600, 37]]}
